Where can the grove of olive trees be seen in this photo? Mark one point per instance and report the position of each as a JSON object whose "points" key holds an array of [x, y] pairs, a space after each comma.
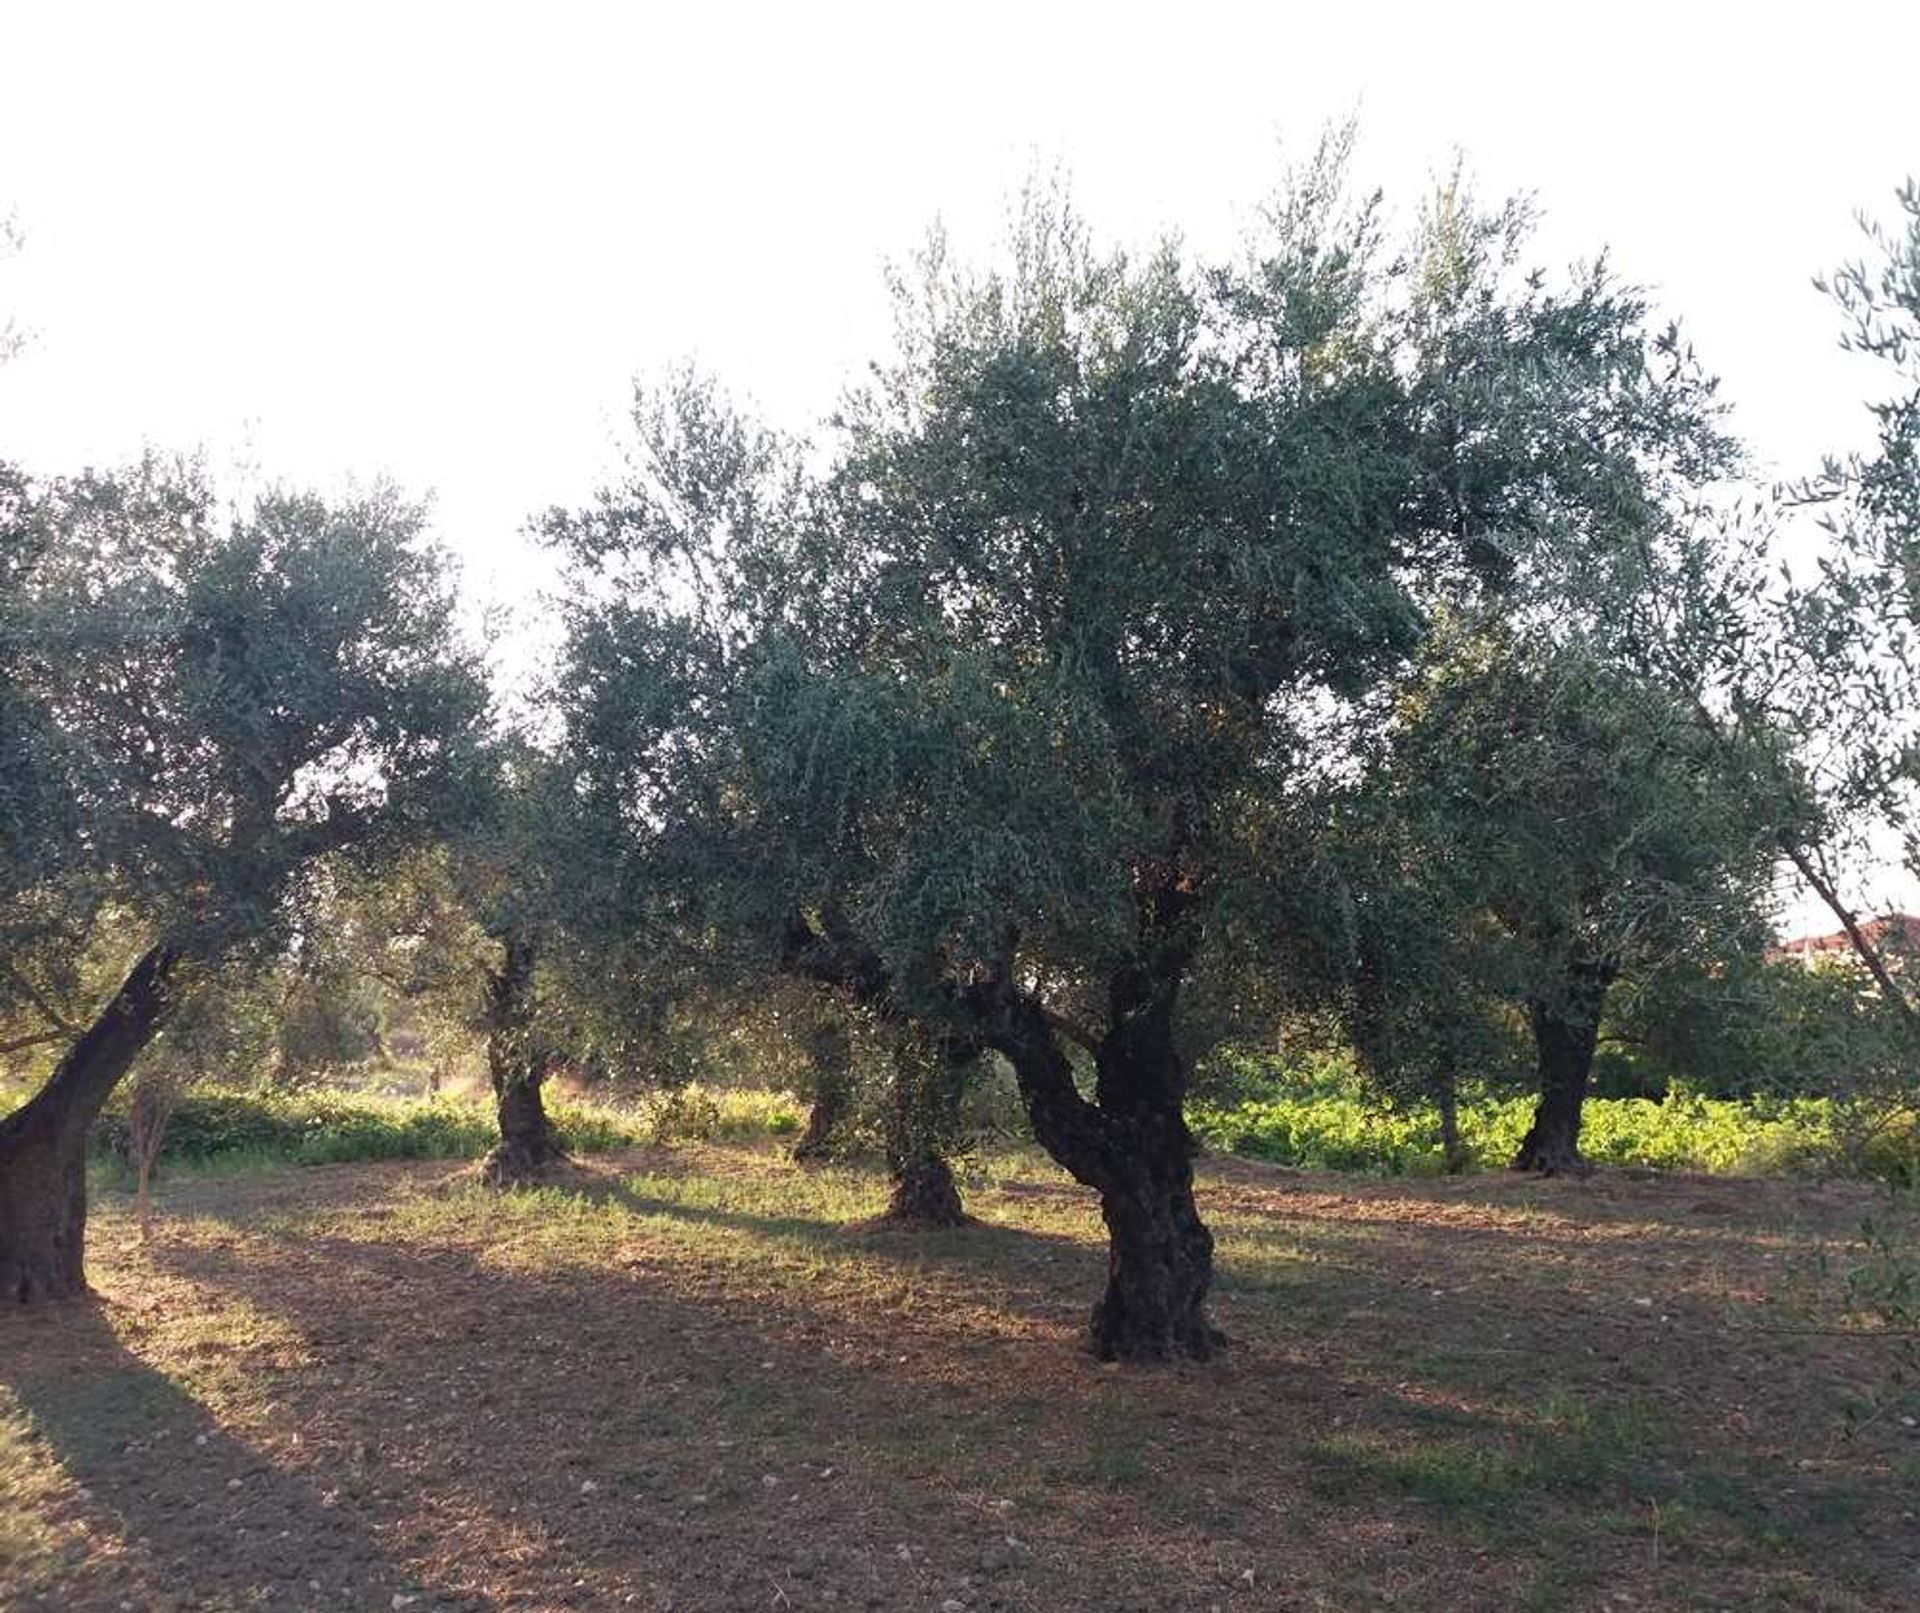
{"points": [[1359, 630]]}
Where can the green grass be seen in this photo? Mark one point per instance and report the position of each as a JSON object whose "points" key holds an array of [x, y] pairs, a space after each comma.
{"points": [[1460, 1466], [1317, 1118], [238, 1129], [1580, 1466]]}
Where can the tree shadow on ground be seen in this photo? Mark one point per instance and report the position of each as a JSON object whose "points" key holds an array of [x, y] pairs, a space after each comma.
{"points": [[706, 1404], [168, 1497], [1043, 1274], [757, 1428], [981, 1248], [738, 1444], [1612, 1196]]}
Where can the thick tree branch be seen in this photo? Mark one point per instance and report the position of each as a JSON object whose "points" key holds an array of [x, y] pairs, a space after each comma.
{"points": [[1073, 1031], [833, 955], [93, 1066], [1075, 1132]]}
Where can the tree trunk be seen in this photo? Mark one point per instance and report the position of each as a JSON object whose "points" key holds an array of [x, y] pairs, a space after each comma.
{"points": [[1131, 1146], [924, 1194], [1159, 1256], [1160, 1253], [148, 1114], [829, 1058], [43, 1215], [527, 1150], [926, 1088], [1446, 1097], [143, 1199], [816, 1141], [43, 1144], [1565, 1033]]}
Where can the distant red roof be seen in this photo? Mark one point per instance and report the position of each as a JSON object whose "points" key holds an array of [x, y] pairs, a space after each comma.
{"points": [[1897, 933]]}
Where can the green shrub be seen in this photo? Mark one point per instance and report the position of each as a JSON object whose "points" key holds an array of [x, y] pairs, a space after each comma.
{"points": [[1332, 1127], [1326, 1121], [695, 1113]]}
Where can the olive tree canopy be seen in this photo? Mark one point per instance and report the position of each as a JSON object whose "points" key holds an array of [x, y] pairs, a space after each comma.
{"points": [[987, 708], [197, 708]]}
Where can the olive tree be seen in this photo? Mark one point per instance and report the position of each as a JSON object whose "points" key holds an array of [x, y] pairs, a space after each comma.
{"points": [[983, 710], [1853, 639], [1584, 817], [1819, 649], [200, 707]]}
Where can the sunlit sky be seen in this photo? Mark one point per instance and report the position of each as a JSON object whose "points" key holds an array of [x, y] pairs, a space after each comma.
{"points": [[434, 242]]}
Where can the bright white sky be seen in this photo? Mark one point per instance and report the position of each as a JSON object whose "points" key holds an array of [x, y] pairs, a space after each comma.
{"points": [[434, 241]]}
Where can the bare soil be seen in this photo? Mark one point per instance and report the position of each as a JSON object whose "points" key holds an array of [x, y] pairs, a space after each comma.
{"points": [[702, 1379]]}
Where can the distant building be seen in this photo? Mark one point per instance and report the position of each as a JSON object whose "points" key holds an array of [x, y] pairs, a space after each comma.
{"points": [[1895, 937]]}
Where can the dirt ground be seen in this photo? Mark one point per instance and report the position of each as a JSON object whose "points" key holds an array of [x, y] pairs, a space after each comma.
{"points": [[692, 1381]]}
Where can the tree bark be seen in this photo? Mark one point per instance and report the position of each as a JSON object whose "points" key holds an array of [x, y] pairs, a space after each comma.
{"points": [[152, 1107], [1159, 1252], [1446, 1097], [1132, 1146], [925, 1091], [527, 1151], [816, 1141], [43, 1144], [1159, 1257], [829, 1058], [924, 1194], [1566, 1030]]}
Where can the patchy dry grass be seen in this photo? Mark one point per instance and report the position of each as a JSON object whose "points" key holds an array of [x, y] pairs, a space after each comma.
{"points": [[694, 1381]]}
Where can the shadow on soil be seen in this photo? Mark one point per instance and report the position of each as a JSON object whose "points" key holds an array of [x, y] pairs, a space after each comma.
{"points": [[171, 1494], [722, 1434]]}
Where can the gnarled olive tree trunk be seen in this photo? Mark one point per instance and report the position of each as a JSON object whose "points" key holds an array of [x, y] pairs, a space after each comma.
{"points": [[929, 1065], [1132, 1146], [920, 1121], [43, 1144], [925, 1193], [517, 1068], [830, 1070], [1566, 1029], [1160, 1253]]}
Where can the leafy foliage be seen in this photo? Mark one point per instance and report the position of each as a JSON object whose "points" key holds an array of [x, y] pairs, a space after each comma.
{"points": [[219, 703]]}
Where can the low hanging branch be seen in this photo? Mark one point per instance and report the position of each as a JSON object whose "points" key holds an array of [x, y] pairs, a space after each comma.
{"points": [[1808, 865], [1869, 955], [58, 1022]]}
